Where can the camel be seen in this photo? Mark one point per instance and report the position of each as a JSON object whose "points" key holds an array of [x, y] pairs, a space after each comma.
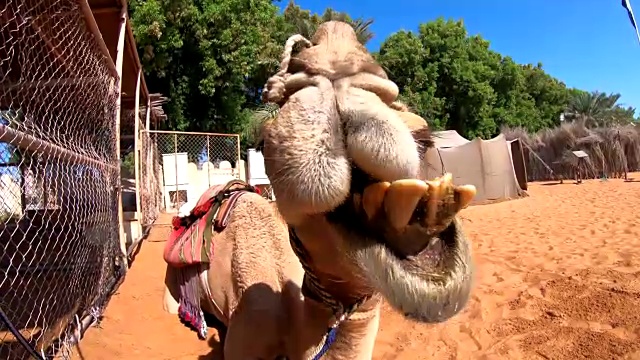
{"points": [[353, 222]]}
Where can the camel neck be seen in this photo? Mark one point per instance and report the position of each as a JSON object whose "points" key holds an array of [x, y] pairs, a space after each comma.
{"points": [[356, 335], [340, 291]]}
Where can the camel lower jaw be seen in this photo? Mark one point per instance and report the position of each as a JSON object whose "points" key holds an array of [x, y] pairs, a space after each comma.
{"points": [[423, 289]]}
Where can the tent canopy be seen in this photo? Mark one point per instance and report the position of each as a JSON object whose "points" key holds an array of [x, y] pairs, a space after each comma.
{"points": [[486, 164], [448, 139]]}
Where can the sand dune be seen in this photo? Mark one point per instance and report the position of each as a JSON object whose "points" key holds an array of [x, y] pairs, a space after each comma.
{"points": [[558, 278]]}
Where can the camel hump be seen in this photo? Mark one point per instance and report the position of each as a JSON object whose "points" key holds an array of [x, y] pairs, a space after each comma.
{"points": [[190, 242]]}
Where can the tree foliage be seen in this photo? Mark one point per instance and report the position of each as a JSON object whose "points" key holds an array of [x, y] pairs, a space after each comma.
{"points": [[212, 57], [596, 108], [305, 23], [458, 83]]}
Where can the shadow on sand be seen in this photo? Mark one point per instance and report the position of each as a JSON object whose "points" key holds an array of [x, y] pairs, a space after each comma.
{"points": [[215, 342]]}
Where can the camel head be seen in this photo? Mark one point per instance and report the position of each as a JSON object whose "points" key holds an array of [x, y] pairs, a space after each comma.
{"points": [[345, 166]]}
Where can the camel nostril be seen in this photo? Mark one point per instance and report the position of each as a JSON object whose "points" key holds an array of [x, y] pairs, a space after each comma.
{"points": [[281, 357]]}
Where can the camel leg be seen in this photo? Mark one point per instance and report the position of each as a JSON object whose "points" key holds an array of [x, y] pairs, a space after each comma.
{"points": [[305, 144], [378, 141], [256, 326], [171, 291], [213, 322]]}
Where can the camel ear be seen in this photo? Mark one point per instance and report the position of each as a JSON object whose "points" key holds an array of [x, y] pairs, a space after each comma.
{"points": [[171, 292]]}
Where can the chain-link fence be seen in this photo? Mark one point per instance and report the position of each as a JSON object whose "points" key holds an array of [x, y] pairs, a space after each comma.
{"points": [[150, 178], [192, 162], [127, 154], [60, 252], [141, 177]]}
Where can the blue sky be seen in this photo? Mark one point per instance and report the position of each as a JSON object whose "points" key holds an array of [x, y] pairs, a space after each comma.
{"points": [[588, 44]]}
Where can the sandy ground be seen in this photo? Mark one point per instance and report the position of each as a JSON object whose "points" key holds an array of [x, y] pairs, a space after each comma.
{"points": [[558, 278]]}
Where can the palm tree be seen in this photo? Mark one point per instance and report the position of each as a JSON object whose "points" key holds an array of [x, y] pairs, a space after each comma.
{"points": [[363, 31], [361, 26], [594, 109], [252, 131], [304, 24]]}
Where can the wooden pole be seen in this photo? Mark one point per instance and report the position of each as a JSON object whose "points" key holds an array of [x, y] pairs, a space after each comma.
{"points": [[136, 146], [626, 169], [131, 45], [172, 132], [58, 56], [147, 122], [148, 164], [39, 84], [95, 31], [119, 62], [238, 155], [175, 162], [46, 149], [208, 162]]}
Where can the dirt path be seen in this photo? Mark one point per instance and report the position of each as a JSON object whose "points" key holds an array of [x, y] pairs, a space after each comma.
{"points": [[558, 278], [135, 326]]}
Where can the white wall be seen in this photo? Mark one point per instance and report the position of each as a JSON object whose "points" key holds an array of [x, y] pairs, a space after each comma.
{"points": [[10, 196], [192, 180]]}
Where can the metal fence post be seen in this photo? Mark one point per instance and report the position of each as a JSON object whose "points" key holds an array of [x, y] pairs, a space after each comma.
{"points": [[175, 163], [208, 162]]}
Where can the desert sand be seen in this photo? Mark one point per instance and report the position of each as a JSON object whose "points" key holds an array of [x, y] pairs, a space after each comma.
{"points": [[558, 277]]}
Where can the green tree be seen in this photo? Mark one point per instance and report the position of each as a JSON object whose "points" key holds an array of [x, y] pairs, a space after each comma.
{"points": [[514, 106], [549, 94], [305, 23], [455, 74], [210, 57], [407, 63], [456, 82], [598, 109]]}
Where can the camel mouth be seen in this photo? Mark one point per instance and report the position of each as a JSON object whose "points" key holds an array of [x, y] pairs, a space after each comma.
{"points": [[427, 277]]}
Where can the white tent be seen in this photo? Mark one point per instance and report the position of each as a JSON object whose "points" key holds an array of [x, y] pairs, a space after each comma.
{"points": [[448, 138], [486, 164]]}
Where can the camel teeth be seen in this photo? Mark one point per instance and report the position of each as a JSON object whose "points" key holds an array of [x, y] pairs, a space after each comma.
{"points": [[467, 193], [401, 200], [372, 198], [433, 199]]}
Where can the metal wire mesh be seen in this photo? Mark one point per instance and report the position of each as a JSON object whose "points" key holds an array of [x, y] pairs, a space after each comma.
{"points": [[192, 162], [127, 154], [150, 178], [59, 237]]}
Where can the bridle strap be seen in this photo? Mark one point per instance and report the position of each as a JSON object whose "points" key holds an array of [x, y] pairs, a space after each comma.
{"points": [[313, 288]]}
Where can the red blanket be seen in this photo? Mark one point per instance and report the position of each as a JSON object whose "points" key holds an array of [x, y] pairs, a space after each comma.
{"points": [[190, 241]]}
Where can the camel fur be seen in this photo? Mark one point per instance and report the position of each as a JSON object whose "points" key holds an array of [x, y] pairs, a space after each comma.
{"points": [[343, 158]]}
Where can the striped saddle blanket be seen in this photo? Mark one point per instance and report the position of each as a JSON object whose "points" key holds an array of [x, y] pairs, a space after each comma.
{"points": [[190, 241]]}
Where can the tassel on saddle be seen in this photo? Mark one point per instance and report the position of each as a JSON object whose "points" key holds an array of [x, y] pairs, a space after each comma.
{"points": [[191, 245]]}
